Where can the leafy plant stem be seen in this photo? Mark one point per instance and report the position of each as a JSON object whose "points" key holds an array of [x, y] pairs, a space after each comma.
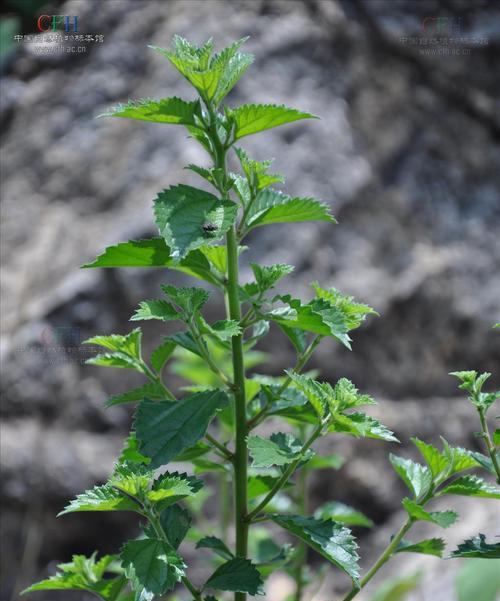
{"points": [[299, 365], [155, 523], [382, 560], [227, 454], [302, 506], [490, 446], [287, 473]]}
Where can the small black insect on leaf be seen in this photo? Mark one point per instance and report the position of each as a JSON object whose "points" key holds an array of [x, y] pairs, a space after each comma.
{"points": [[209, 228]]}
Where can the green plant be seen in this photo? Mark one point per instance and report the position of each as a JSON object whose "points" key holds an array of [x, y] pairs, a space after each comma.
{"points": [[214, 426]]}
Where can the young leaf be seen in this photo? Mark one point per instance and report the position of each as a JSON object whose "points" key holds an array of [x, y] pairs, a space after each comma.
{"points": [[441, 518], [354, 312], [101, 498], [431, 546], [153, 252], [152, 565], [272, 206], [188, 217], [84, 574], [417, 477], [164, 430], [175, 522], [266, 277], [222, 330], [168, 110], [279, 449], [130, 344], [332, 541], [256, 173], [471, 486], [169, 488], [155, 309], [317, 316], [252, 118], [151, 390], [437, 462], [338, 512], [238, 575], [162, 354], [315, 392], [130, 452], [214, 543], [477, 547], [360, 424]]}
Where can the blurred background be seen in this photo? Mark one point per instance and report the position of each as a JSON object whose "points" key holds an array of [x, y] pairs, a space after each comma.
{"points": [[407, 153]]}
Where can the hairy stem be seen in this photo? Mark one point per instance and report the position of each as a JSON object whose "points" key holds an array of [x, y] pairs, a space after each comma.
{"points": [[382, 560], [490, 445]]}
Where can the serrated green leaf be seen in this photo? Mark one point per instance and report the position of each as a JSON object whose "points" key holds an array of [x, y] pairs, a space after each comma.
{"points": [[315, 392], [130, 344], [297, 337], [101, 498], [430, 546], [477, 547], [267, 276], [153, 252], [155, 309], [188, 217], [213, 77], [360, 424], [119, 360], [238, 575], [165, 430], [256, 173], [252, 118], [162, 354], [471, 486], [130, 452], [86, 574], [169, 488], [346, 396], [354, 312], [338, 512], [222, 330], [417, 477], [216, 545], [333, 541], [151, 564], [437, 462], [485, 461], [151, 390], [168, 110], [188, 298], [441, 518], [279, 449], [272, 206], [317, 316], [175, 522]]}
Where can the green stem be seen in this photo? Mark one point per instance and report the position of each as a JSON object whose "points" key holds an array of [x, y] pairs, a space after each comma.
{"points": [[382, 560], [286, 474], [492, 451], [302, 506], [240, 419], [224, 450], [299, 365]]}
